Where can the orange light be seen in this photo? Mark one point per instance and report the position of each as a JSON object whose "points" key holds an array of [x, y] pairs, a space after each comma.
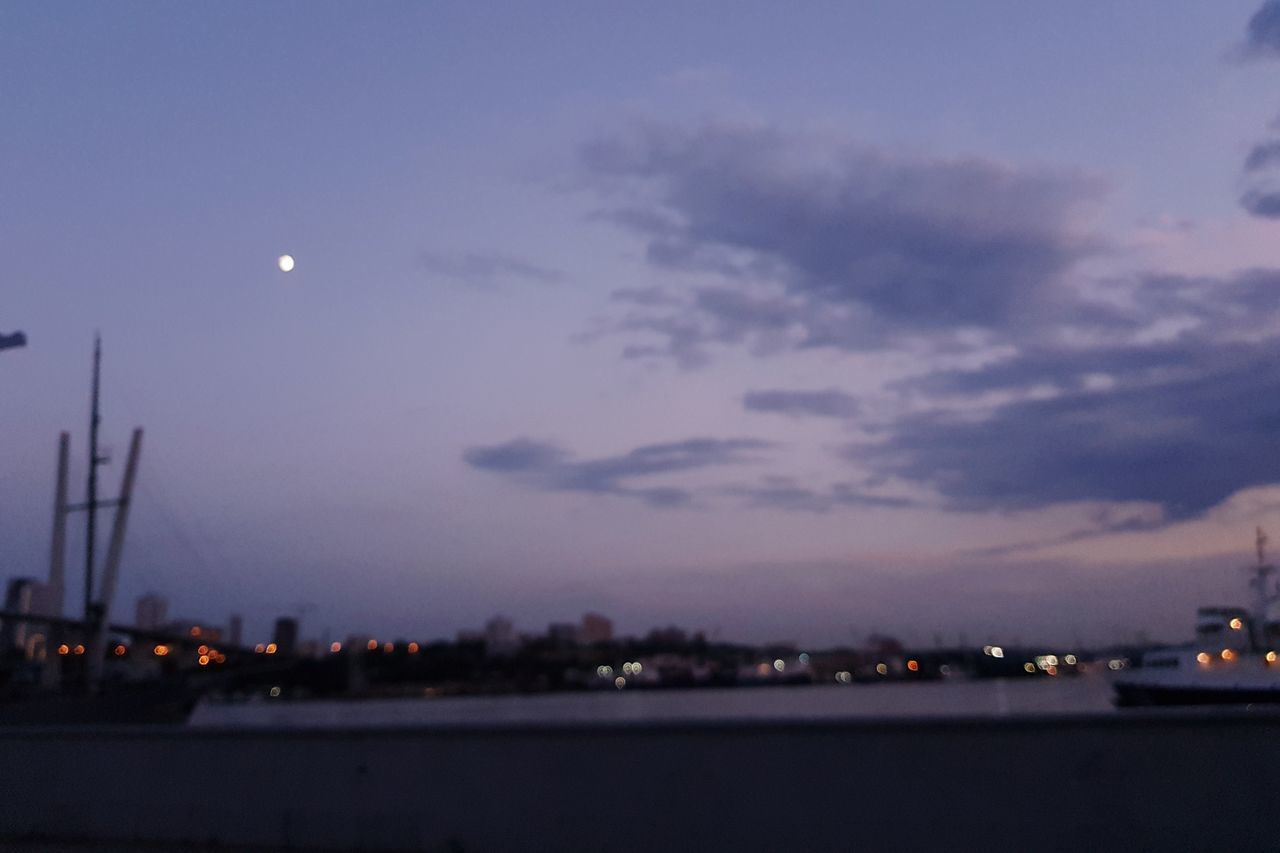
{"points": [[388, 648], [271, 648], [1227, 654], [1236, 624], [413, 648], [219, 658], [64, 649], [335, 647], [1271, 657], [161, 650], [195, 630], [79, 649], [259, 648], [373, 644], [1203, 657], [203, 650], [204, 660], [913, 665], [120, 650]]}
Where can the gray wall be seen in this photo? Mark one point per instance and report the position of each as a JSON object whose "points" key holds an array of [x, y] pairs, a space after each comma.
{"points": [[1135, 782]]}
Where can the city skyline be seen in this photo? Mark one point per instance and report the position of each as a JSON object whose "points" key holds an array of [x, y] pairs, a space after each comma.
{"points": [[783, 326]]}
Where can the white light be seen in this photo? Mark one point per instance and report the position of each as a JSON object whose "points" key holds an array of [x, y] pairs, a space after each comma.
{"points": [[619, 682], [285, 262], [997, 652], [1070, 659], [779, 665], [804, 657], [275, 691], [636, 667]]}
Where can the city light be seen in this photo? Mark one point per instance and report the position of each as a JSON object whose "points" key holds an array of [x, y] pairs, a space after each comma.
{"points": [[64, 649], [883, 669], [335, 647], [195, 630], [779, 664], [120, 650], [844, 676], [79, 649], [203, 660], [1070, 659], [413, 648], [160, 650], [1271, 657], [274, 691], [1236, 624], [372, 645], [388, 648], [1228, 654], [1029, 666], [913, 665], [1203, 658], [271, 648], [619, 682], [203, 650], [997, 652], [259, 648]]}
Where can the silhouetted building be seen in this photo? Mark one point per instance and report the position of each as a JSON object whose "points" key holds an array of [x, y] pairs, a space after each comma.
{"points": [[285, 635], [500, 636], [151, 611], [563, 633], [235, 629], [669, 636], [595, 629], [30, 598]]}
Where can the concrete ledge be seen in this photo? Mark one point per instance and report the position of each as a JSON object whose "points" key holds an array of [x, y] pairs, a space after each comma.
{"points": [[1110, 782]]}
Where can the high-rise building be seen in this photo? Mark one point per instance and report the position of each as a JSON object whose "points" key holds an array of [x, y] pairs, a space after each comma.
{"points": [[151, 612], [235, 629], [285, 635], [595, 629]]}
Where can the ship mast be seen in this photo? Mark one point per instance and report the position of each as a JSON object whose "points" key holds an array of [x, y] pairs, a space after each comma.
{"points": [[91, 491], [1264, 596]]}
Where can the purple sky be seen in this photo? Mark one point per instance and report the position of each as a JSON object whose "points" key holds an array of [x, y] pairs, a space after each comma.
{"points": [[783, 325]]}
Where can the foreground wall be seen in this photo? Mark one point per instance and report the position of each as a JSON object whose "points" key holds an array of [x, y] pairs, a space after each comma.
{"points": [[1184, 782]]}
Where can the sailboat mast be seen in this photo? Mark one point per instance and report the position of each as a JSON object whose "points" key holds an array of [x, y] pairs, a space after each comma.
{"points": [[91, 497]]}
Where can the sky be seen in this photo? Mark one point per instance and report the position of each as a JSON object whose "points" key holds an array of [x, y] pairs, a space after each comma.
{"points": [[937, 320]]}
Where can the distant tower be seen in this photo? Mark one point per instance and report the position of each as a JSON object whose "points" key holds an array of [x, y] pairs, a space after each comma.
{"points": [[152, 612], [286, 635], [235, 628]]}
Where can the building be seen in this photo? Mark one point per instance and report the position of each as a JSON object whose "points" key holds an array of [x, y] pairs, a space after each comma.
{"points": [[151, 612], [500, 636], [285, 635], [235, 629], [28, 597], [563, 633], [595, 629]]}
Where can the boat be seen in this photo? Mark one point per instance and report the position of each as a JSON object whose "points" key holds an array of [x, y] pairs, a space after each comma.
{"points": [[1234, 659]]}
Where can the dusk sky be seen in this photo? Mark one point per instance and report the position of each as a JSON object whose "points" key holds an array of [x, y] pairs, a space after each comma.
{"points": [[783, 323]]}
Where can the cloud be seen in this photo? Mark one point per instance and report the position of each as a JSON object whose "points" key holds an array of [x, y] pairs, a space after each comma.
{"points": [[788, 494], [485, 268], [1263, 203], [1184, 437], [830, 403], [1263, 156], [820, 240], [549, 468], [1262, 38]]}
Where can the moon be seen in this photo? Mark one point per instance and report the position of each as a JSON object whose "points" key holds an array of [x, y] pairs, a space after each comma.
{"points": [[285, 262]]}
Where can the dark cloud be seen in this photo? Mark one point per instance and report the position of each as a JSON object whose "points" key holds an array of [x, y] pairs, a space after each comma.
{"points": [[1262, 37], [786, 493], [1263, 203], [857, 244], [1185, 439], [12, 341], [547, 467], [830, 403], [1263, 156], [485, 268]]}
